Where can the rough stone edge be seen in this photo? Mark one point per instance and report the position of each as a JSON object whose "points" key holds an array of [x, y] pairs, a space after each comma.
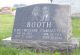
{"points": [[37, 44]]}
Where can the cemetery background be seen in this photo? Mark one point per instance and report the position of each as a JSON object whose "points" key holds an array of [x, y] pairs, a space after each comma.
{"points": [[6, 26]]}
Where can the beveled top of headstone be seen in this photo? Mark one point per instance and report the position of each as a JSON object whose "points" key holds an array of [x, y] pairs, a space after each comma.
{"points": [[42, 22]]}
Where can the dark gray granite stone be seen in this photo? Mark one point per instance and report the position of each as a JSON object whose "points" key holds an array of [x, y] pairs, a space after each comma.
{"points": [[42, 24]]}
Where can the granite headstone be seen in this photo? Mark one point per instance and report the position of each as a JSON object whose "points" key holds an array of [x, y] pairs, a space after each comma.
{"points": [[42, 23]]}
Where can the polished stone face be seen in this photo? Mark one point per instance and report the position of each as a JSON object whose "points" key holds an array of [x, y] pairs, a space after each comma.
{"points": [[42, 22]]}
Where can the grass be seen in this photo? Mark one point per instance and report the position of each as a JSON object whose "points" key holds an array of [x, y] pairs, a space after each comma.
{"points": [[76, 27], [17, 51], [8, 51], [6, 26], [14, 51]]}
